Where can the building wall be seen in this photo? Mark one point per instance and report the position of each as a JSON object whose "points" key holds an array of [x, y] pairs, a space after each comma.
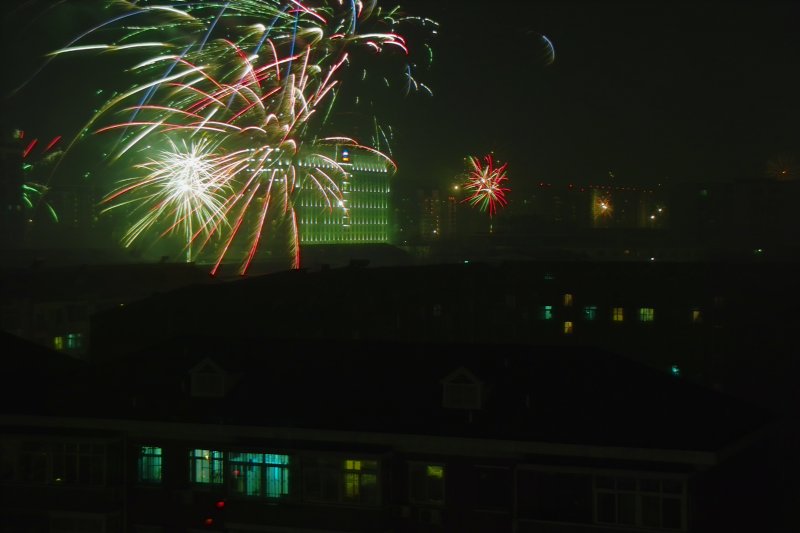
{"points": [[362, 214], [112, 489]]}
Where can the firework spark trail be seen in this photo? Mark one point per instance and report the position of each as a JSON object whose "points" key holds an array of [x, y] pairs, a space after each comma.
{"points": [[34, 193], [219, 95], [485, 182]]}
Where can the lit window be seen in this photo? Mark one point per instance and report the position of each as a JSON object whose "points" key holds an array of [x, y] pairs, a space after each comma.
{"points": [[426, 483], [205, 466], [360, 480], [74, 341], [617, 314], [259, 474], [58, 343], [567, 328], [590, 312], [646, 314], [697, 316], [150, 464], [567, 300], [547, 312]]}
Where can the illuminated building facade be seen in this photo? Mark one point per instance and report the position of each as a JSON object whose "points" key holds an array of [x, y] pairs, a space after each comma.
{"points": [[362, 214]]}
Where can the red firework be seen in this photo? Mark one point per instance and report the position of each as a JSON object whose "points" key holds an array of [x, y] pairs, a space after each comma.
{"points": [[485, 182]]}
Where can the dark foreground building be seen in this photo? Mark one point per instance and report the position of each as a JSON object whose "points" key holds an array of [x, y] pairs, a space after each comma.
{"points": [[726, 325], [303, 437]]}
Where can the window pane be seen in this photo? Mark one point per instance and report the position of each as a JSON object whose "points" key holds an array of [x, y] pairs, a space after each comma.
{"points": [[671, 513], [649, 485], [606, 507], [626, 483], [426, 484], [605, 483], [150, 464], [651, 511], [626, 512], [671, 486]]}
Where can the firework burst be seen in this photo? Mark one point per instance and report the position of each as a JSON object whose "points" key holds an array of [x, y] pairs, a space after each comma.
{"points": [[184, 187], [241, 93], [485, 184]]}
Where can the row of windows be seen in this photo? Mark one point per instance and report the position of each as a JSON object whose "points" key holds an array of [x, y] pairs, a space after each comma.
{"points": [[46, 463], [351, 202], [271, 476], [349, 238], [644, 314], [70, 341], [312, 224], [649, 502], [653, 501]]}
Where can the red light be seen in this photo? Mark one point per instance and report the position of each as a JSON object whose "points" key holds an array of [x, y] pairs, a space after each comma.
{"points": [[236, 473], [208, 522], [220, 504]]}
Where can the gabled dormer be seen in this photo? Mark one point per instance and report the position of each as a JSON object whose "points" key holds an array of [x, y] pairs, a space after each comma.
{"points": [[461, 389], [207, 380]]}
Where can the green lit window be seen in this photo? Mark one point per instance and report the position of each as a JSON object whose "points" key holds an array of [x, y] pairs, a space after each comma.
{"points": [[205, 467], [426, 483], [74, 341], [590, 312], [547, 312], [150, 464], [264, 475], [617, 314], [646, 314], [360, 480]]}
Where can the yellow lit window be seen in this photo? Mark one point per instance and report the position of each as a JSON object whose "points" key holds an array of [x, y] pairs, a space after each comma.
{"points": [[617, 314], [568, 328], [360, 480], [697, 316], [426, 484], [646, 314], [567, 300]]}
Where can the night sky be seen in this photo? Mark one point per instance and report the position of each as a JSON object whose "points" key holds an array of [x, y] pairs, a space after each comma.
{"points": [[645, 90]]}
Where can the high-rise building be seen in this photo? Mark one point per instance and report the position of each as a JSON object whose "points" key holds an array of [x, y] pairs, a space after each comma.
{"points": [[430, 220], [361, 215]]}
